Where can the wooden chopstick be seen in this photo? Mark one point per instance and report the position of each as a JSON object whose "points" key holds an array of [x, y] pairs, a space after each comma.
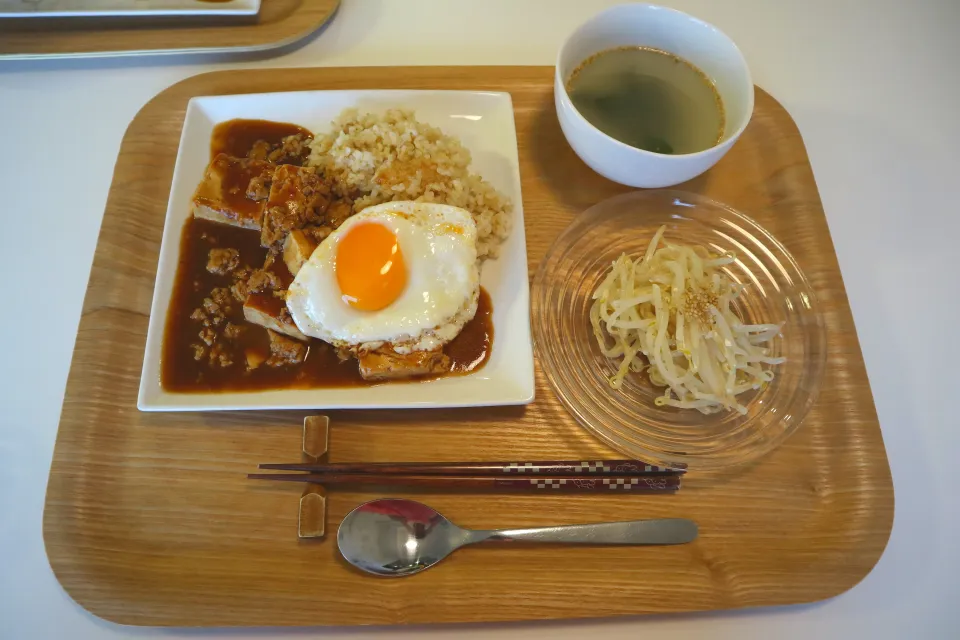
{"points": [[625, 484], [618, 468]]}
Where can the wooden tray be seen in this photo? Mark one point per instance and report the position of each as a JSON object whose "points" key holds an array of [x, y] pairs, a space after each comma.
{"points": [[150, 520], [279, 23]]}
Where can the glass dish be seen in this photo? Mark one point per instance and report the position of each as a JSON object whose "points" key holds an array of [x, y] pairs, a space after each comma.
{"points": [[627, 419]]}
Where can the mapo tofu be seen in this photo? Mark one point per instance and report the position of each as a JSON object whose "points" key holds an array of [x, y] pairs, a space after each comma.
{"points": [[258, 215]]}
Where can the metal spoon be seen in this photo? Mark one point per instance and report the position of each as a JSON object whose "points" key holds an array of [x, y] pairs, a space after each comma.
{"points": [[394, 537]]}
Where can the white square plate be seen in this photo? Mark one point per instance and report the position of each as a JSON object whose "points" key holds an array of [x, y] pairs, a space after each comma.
{"points": [[484, 124], [112, 8]]}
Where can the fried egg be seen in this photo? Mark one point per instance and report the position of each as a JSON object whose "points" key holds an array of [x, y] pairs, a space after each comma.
{"points": [[400, 272]]}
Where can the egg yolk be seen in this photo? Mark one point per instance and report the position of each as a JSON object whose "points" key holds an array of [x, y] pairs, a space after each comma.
{"points": [[369, 267]]}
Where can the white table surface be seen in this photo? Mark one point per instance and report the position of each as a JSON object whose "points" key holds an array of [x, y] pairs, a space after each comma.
{"points": [[875, 90]]}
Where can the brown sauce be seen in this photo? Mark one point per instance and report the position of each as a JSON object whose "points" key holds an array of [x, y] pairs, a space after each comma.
{"points": [[470, 350], [237, 137], [322, 368]]}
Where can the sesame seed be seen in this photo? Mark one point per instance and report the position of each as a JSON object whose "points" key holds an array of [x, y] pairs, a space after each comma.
{"points": [[697, 303]]}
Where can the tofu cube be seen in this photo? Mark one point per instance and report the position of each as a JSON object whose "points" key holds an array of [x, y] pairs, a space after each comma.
{"points": [[269, 311], [297, 249], [386, 364], [222, 194]]}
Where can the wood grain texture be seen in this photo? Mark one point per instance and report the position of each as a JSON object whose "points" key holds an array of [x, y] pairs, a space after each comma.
{"points": [[278, 23], [150, 519]]}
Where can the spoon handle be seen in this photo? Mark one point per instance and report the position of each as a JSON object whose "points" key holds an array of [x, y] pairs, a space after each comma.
{"points": [[664, 531]]}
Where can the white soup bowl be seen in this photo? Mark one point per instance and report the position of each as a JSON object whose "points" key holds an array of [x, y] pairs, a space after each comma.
{"points": [[645, 25]]}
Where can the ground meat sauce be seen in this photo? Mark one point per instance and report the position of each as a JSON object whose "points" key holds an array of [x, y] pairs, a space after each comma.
{"points": [[256, 139], [209, 346], [223, 261]]}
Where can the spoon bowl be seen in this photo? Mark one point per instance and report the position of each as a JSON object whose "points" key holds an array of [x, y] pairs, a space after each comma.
{"points": [[396, 537]]}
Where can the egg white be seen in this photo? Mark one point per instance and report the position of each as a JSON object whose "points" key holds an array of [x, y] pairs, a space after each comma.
{"points": [[439, 247]]}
